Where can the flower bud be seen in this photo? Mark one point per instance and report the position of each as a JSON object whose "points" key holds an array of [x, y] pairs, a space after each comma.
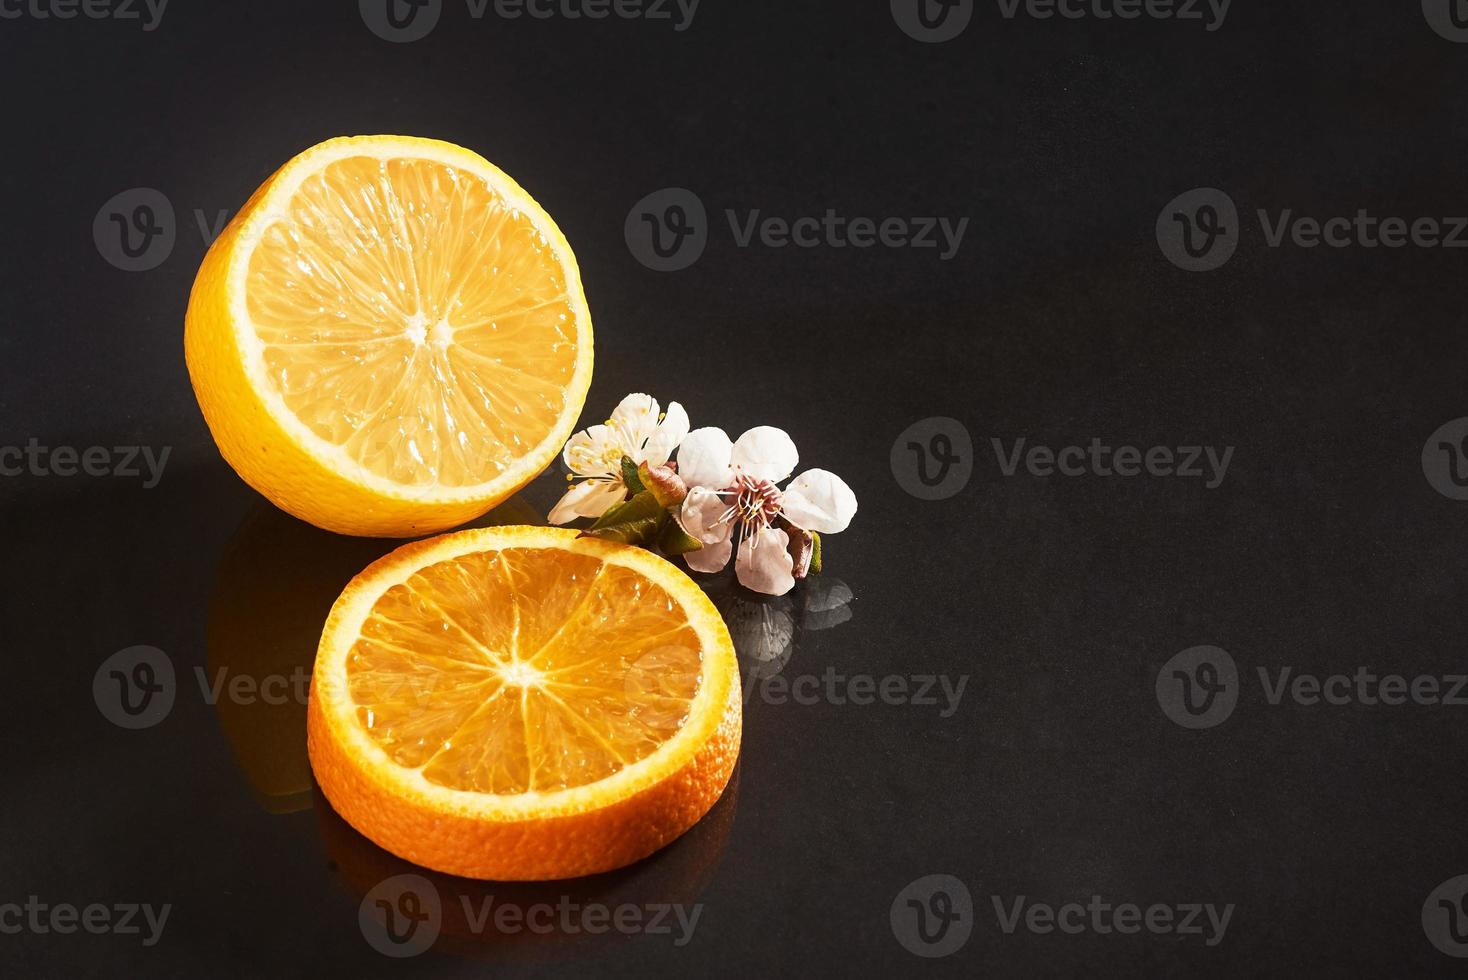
{"points": [[802, 548], [664, 482]]}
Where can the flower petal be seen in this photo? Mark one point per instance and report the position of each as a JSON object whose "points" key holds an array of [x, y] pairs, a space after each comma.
{"points": [[821, 501], [711, 557], [590, 498], [700, 516], [636, 408], [670, 432], [765, 453], [636, 418], [764, 562], [585, 452], [703, 459]]}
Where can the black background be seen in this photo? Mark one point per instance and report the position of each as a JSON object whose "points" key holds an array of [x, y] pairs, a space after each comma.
{"points": [[1059, 320]]}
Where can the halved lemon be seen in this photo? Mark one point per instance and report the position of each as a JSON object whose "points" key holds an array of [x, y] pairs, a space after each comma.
{"points": [[518, 703], [390, 337]]}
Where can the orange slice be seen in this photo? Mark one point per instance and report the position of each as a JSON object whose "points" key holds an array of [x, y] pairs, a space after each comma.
{"points": [[519, 703], [390, 337]]}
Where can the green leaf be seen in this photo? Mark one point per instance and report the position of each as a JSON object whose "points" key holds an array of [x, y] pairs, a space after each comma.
{"points": [[630, 477], [673, 540], [642, 505], [634, 521], [815, 553]]}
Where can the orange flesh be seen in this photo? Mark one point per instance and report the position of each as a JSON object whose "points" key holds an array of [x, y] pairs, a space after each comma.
{"points": [[523, 670], [413, 317]]}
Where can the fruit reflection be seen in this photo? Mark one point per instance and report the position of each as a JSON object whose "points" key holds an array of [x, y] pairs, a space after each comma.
{"points": [[768, 630], [275, 584], [550, 919]]}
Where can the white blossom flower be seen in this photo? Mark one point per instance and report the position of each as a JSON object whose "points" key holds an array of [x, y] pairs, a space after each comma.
{"points": [[733, 487], [637, 430]]}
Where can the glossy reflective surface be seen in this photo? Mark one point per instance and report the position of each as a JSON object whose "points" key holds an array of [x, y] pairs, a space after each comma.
{"points": [[989, 693]]}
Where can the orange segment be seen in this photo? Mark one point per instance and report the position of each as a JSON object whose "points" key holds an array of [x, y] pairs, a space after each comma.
{"points": [[390, 337], [515, 649], [576, 699]]}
